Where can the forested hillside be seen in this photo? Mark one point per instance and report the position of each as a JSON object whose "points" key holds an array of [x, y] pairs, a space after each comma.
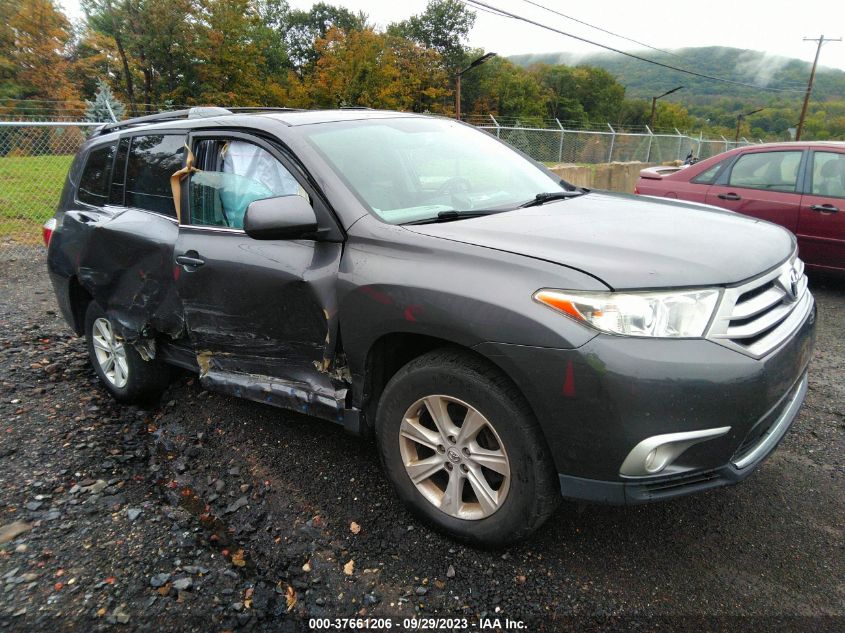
{"points": [[716, 103]]}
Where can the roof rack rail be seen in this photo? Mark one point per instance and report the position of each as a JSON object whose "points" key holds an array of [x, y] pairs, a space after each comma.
{"points": [[245, 109], [160, 117]]}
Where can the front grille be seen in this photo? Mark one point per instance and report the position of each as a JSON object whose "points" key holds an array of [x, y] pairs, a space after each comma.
{"points": [[756, 317]]}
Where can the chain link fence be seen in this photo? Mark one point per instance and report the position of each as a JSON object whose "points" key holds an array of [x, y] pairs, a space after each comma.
{"points": [[562, 145], [35, 157]]}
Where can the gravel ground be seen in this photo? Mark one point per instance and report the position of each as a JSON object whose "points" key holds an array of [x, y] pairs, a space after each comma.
{"points": [[210, 513]]}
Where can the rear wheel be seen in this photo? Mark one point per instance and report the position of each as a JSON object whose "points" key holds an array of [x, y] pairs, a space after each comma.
{"points": [[463, 450], [119, 366]]}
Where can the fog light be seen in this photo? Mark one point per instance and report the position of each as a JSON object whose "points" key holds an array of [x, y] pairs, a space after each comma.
{"points": [[655, 454]]}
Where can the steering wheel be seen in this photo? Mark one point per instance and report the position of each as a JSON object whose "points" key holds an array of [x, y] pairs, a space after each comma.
{"points": [[454, 186]]}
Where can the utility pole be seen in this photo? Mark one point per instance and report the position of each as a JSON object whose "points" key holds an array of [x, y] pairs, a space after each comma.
{"points": [[821, 40]]}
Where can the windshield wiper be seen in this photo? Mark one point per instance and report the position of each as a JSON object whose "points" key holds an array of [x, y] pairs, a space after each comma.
{"points": [[550, 196], [453, 214]]}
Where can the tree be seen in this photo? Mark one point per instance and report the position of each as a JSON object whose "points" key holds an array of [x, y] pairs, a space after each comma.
{"points": [[443, 27], [105, 107], [304, 28], [35, 63], [503, 89], [366, 68]]}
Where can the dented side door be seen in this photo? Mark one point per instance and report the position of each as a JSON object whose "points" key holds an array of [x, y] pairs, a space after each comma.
{"points": [[261, 314]]}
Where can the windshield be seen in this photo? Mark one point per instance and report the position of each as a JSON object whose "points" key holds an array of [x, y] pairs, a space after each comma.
{"points": [[411, 169]]}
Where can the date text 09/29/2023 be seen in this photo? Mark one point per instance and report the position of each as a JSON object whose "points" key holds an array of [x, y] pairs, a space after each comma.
{"points": [[417, 624]]}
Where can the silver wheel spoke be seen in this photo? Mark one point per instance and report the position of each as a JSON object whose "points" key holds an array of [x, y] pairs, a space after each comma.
{"points": [[451, 501], [118, 372], [422, 469], [437, 408], [108, 364], [494, 460], [416, 432], [487, 497], [100, 343], [473, 423], [104, 330]]}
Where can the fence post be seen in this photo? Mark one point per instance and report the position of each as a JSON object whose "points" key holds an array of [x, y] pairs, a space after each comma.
{"points": [[496, 123], [680, 140], [698, 151], [612, 141], [560, 147], [650, 141], [726, 142]]}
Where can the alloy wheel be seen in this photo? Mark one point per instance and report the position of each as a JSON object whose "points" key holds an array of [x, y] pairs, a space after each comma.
{"points": [[110, 352], [454, 457]]}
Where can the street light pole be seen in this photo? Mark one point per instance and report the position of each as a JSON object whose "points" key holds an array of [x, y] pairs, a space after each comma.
{"points": [[477, 62], [740, 118], [654, 103]]}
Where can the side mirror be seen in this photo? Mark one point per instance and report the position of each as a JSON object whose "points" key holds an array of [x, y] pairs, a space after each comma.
{"points": [[284, 217]]}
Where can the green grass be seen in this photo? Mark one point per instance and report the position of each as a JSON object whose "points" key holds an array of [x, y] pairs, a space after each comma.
{"points": [[30, 187]]}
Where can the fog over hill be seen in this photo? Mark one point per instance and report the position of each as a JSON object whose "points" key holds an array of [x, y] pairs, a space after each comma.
{"points": [[645, 80]]}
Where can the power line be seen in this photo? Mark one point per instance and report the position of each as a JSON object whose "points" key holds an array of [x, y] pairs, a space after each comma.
{"points": [[598, 28], [477, 4]]}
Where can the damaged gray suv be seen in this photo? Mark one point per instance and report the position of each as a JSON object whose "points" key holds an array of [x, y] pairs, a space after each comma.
{"points": [[507, 338]]}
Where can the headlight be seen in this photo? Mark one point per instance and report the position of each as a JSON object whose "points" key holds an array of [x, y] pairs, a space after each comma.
{"points": [[677, 314]]}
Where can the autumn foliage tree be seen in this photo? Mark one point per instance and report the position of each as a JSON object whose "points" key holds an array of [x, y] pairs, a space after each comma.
{"points": [[35, 39]]}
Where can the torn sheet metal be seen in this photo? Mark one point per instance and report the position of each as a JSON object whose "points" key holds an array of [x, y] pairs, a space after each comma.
{"points": [[309, 393], [126, 265]]}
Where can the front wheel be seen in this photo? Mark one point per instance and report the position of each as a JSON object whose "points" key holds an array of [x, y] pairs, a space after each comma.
{"points": [[463, 450], [128, 377]]}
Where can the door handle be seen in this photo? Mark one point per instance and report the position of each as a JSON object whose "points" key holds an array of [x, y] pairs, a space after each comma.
{"points": [[729, 196], [186, 260], [824, 208]]}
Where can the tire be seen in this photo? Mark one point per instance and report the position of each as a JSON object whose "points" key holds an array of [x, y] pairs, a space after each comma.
{"points": [[132, 379], [522, 489]]}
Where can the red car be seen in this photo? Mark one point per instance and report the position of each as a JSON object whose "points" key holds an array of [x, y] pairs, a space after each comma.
{"points": [[800, 186]]}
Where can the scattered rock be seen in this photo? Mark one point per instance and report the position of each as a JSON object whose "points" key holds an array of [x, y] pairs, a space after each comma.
{"points": [[133, 513], [183, 584], [450, 573], [236, 505], [11, 530], [159, 580]]}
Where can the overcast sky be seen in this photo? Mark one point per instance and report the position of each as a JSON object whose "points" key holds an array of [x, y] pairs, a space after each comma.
{"points": [[772, 26]]}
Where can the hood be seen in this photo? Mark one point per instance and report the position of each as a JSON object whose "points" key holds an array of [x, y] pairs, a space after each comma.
{"points": [[631, 242]]}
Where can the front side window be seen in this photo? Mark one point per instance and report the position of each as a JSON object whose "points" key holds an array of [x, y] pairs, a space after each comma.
{"points": [[412, 168], [94, 182], [152, 161], [230, 174], [828, 174], [773, 171]]}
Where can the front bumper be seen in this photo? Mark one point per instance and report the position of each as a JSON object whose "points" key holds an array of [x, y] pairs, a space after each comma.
{"points": [[597, 402], [766, 436]]}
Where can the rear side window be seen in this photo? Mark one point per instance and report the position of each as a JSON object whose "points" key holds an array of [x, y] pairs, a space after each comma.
{"points": [[152, 160], [94, 182], [773, 171], [708, 176], [828, 174]]}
